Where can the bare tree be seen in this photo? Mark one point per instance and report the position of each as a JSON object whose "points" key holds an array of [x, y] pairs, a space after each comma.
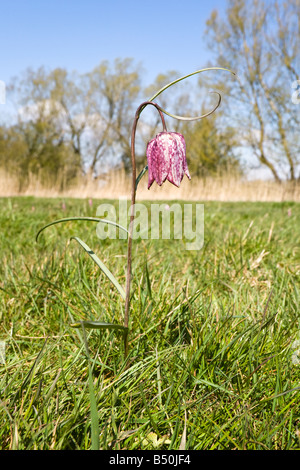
{"points": [[90, 113], [114, 90], [260, 41]]}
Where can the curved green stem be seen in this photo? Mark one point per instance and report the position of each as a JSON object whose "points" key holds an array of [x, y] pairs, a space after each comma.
{"points": [[90, 219], [187, 76], [196, 118]]}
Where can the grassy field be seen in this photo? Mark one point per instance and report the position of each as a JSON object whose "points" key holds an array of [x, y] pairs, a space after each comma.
{"points": [[214, 358]]}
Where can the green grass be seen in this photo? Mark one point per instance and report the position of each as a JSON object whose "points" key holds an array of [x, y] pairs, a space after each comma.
{"points": [[211, 333]]}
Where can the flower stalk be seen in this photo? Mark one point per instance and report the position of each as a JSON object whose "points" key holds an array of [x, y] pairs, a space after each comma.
{"points": [[132, 208], [183, 169]]}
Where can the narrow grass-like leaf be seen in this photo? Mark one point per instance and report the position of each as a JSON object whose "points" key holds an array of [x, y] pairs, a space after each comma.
{"points": [[280, 394], [89, 219], [98, 325], [101, 265], [210, 384], [50, 392], [187, 76], [151, 419], [28, 376], [94, 413], [183, 437], [176, 429], [140, 176], [195, 118]]}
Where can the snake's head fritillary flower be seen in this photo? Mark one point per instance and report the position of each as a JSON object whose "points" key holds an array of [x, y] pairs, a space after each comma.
{"points": [[166, 156]]}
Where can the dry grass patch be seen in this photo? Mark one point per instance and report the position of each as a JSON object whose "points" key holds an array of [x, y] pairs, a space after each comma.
{"points": [[118, 184]]}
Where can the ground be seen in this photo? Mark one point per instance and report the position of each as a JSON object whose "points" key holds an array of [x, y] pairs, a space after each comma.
{"points": [[213, 343]]}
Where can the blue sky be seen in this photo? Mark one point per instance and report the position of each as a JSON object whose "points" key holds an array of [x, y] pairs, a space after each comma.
{"points": [[162, 35], [78, 34]]}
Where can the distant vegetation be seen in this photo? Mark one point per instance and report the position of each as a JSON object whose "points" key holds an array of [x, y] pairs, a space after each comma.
{"points": [[72, 126]]}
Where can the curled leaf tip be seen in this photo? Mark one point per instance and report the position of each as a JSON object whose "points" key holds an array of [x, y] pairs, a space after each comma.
{"points": [[189, 75], [196, 118]]}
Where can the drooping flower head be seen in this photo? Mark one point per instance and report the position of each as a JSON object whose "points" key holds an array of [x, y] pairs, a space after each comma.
{"points": [[166, 156]]}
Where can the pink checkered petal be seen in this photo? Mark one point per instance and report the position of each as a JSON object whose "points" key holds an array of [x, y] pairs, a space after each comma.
{"points": [[176, 169], [166, 159], [182, 149], [150, 163], [158, 161]]}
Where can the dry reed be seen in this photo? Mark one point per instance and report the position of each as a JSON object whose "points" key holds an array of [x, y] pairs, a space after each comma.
{"points": [[117, 184]]}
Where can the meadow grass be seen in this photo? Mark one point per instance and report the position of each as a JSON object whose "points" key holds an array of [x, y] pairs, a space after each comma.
{"points": [[212, 359]]}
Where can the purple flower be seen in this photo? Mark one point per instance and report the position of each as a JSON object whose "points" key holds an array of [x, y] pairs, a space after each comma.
{"points": [[167, 159]]}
